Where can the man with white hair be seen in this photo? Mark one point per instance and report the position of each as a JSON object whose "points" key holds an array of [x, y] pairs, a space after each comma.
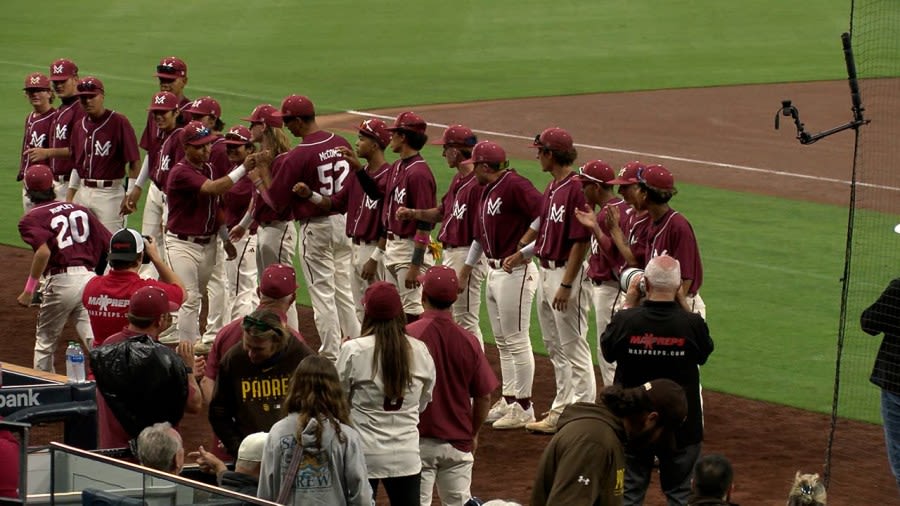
{"points": [[160, 447], [657, 339]]}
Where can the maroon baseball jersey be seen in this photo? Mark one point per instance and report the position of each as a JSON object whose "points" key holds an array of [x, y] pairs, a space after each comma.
{"points": [[507, 208], [230, 335], [38, 129], [218, 158], [236, 201], [363, 213], [152, 137], [67, 119], [103, 147], [635, 229], [605, 261], [169, 152], [73, 234], [190, 212], [107, 299], [560, 228], [410, 184], [462, 372], [262, 211], [317, 162], [458, 208], [672, 235]]}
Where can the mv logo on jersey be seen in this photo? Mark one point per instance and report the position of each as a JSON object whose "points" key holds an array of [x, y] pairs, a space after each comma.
{"points": [[595, 246], [37, 140], [164, 163], [557, 214], [493, 206], [102, 149], [369, 203], [459, 211], [62, 131], [400, 196]]}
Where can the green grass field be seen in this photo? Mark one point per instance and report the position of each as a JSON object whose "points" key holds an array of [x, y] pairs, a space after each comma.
{"points": [[773, 266]]}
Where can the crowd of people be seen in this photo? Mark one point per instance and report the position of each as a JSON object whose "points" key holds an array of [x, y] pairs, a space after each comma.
{"points": [[399, 390]]}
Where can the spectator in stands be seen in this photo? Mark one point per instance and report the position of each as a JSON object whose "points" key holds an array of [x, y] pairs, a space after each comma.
{"points": [[713, 482], [807, 490], [884, 316], [245, 477], [160, 448]]}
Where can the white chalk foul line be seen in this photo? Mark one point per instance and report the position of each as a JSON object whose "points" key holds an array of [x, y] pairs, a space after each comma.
{"points": [[664, 157]]}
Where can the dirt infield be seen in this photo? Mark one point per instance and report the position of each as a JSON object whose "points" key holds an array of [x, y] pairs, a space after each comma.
{"points": [[721, 137]]}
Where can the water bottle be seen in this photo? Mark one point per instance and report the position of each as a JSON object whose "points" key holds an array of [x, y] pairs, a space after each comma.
{"points": [[75, 363]]}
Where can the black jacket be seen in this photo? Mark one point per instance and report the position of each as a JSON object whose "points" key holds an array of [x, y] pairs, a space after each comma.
{"points": [[884, 316]]}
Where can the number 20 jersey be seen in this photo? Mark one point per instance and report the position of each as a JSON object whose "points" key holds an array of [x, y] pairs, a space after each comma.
{"points": [[73, 234]]}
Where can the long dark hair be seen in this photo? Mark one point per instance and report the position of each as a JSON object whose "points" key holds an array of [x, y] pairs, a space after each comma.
{"points": [[315, 392], [393, 354]]}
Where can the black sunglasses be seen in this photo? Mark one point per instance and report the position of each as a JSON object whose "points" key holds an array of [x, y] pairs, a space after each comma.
{"points": [[166, 68], [88, 86], [251, 322]]}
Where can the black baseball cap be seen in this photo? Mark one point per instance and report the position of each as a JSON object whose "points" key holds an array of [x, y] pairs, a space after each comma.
{"points": [[126, 245]]}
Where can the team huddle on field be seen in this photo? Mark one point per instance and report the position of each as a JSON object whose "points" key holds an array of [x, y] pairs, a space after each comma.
{"points": [[396, 304]]}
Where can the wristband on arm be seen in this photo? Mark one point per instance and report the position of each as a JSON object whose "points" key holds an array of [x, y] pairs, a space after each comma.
{"points": [[143, 175], [31, 284], [418, 257], [237, 173], [315, 198], [528, 251], [474, 255], [377, 255]]}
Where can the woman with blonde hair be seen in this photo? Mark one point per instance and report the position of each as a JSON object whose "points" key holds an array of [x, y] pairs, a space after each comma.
{"points": [[313, 455], [388, 376]]}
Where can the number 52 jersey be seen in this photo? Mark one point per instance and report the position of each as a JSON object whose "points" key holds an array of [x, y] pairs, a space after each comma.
{"points": [[74, 235]]}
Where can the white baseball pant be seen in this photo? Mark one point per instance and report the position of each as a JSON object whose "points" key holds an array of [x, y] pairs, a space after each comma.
{"points": [[62, 299], [360, 254], [448, 468], [104, 203], [467, 308], [194, 264], [325, 258], [242, 276], [397, 255], [152, 225], [217, 302], [509, 298], [607, 299], [565, 338], [276, 242]]}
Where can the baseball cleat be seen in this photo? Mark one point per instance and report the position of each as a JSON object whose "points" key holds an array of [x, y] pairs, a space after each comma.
{"points": [[545, 426], [498, 410], [515, 417]]}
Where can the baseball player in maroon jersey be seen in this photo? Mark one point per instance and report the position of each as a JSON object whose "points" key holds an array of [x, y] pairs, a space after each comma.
{"points": [[564, 293], [410, 184], [276, 235], [605, 258], [106, 297], [670, 233], [64, 78], [68, 243], [324, 248], [164, 152], [103, 144], [628, 232], [192, 196], [509, 204], [241, 272], [364, 226], [456, 212], [38, 123]]}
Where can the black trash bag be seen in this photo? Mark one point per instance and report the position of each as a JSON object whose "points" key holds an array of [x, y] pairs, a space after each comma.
{"points": [[142, 381]]}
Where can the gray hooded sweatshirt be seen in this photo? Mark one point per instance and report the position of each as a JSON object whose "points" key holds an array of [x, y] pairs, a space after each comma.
{"points": [[333, 473]]}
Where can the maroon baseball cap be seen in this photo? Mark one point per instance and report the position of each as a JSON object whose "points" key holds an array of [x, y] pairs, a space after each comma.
{"points": [[36, 81], [171, 67], [163, 101], [554, 139], [151, 302], [596, 171], [296, 105], [440, 284], [205, 106], [657, 177], [376, 129], [38, 178], [197, 134], [409, 121], [238, 135], [487, 152], [62, 69], [90, 86], [628, 174], [265, 114], [278, 280], [457, 135], [382, 301]]}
